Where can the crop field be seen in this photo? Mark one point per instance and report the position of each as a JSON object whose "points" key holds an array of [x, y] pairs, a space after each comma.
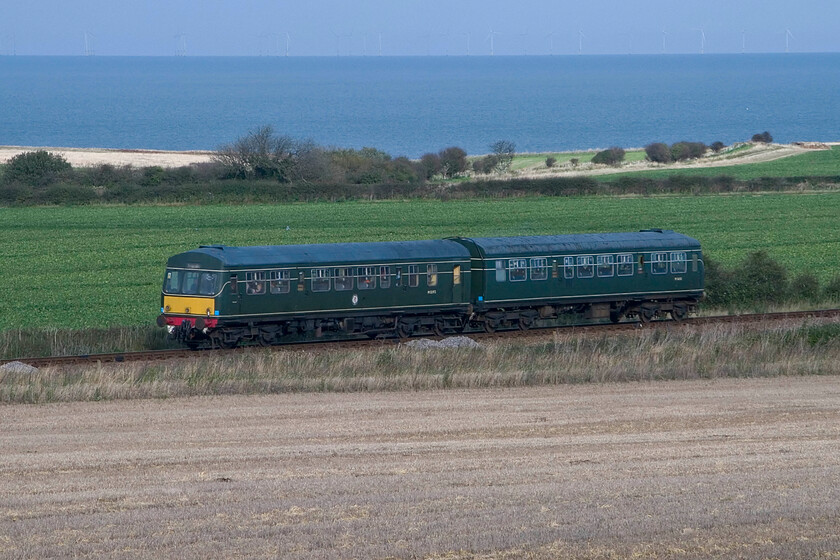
{"points": [[730, 468], [78, 267]]}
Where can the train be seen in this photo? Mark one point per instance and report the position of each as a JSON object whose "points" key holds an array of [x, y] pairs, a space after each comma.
{"points": [[223, 296]]}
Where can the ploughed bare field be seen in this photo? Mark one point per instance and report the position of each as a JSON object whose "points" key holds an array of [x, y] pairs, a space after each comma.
{"points": [[729, 468]]}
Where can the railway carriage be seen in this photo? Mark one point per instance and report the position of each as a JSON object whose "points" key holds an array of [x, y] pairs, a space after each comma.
{"points": [[229, 295], [646, 274]]}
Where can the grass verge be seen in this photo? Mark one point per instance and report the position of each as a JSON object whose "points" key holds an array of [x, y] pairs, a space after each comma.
{"points": [[804, 348]]}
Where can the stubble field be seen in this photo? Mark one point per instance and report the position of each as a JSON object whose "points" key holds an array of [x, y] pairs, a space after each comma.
{"points": [[730, 468]]}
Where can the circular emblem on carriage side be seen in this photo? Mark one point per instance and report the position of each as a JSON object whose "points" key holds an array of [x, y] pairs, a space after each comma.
{"points": [[355, 299]]}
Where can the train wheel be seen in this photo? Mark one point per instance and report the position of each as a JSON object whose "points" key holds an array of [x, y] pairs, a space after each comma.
{"points": [[646, 315], [404, 330], [438, 328], [489, 326], [525, 323], [679, 313]]}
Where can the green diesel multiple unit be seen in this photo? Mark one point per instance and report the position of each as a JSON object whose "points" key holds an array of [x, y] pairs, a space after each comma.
{"points": [[231, 295]]}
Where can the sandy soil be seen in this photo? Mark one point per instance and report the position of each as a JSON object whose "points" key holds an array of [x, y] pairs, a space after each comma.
{"points": [[88, 157], [725, 469]]}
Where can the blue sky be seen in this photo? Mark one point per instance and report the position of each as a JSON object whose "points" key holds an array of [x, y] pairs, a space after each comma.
{"points": [[412, 27]]}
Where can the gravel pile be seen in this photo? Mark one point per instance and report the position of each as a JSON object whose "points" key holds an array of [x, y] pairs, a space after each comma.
{"points": [[450, 342]]}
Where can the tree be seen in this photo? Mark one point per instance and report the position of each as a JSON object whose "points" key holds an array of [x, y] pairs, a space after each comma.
{"points": [[658, 152], [504, 150], [717, 146], [37, 168], [453, 161], [429, 166], [550, 161], [611, 156], [762, 138], [259, 155]]}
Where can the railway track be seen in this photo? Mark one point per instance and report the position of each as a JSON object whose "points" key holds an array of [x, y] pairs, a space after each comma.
{"points": [[161, 355]]}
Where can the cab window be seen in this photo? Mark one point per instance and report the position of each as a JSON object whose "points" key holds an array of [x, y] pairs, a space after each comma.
{"points": [[501, 271], [190, 285], [172, 284]]}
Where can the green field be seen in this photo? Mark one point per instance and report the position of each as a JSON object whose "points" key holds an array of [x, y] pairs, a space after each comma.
{"points": [[819, 163], [102, 266]]}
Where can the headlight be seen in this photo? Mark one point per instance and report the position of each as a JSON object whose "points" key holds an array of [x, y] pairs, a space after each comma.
{"points": [[170, 328]]}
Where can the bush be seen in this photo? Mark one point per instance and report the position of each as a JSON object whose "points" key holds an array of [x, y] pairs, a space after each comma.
{"points": [[612, 156], [717, 146], [805, 287], [453, 161], [658, 152], [760, 279], [550, 161], [832, 289], [39, 168], [687, 150], [503, 150], [574, 161], [429, 166], [762, 138], [485, 165]]}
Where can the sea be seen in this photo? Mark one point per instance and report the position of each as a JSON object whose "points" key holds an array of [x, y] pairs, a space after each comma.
{"points": [[413, 105]]}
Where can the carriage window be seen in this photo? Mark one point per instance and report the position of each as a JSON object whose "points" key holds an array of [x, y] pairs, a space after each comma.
{"points": [[625, 265], [678, 262], [501, 272], [568, 267], [384, 276], [343, 279], [190, 285], [254, 283], [539, 269], [586, 266], [518, 269], [367, 277], [209, 283], [413, 276], [659, 263], [606, 266], [172, 285], [431, 275], [456, 275], [320, 279], [279, 281]]}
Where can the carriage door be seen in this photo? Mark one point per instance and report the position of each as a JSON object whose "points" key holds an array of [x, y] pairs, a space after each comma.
{"points": [[456, 284]]}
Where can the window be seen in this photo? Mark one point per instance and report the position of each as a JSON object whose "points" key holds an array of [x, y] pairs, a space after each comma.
{"points": [[254, 283], [279, 281], [413, 276], [431, 275], [568, 267], [172, 284], [678, 262], [385, 276], [586, 266], [501, 272], [606, 266], [209, 283], [456, 275], [625, 264], [539, 269], [320, 279], [518, 269], [343, 279], [659, 263], [367, 277], [693, 262], [190, 285]]}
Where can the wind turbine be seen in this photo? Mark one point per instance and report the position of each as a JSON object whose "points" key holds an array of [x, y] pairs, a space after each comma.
{"points": [[288, 40], [788, 37], [524, 38], [89, 43], [743, 41], [491, 37], [702, 41], [580, 41], [469, 38], [380, 44], [664, 34], [550, 37], [181, 45]]}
